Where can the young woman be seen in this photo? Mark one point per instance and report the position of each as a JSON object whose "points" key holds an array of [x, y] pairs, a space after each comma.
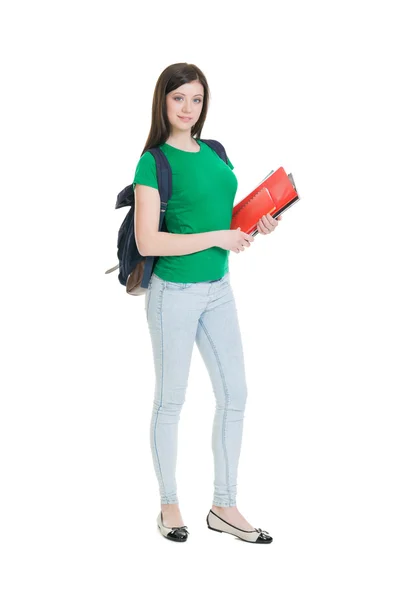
{"points": [[189, 298]]}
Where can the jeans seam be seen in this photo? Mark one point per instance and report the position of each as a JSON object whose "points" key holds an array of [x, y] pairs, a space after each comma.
{"points": [[225, 407], [148, 303], [162, 389]]}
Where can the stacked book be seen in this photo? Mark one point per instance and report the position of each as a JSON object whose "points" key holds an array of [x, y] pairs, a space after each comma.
{"points": [[275, 194]]}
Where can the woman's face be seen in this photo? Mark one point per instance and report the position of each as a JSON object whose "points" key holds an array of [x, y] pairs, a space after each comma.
{"points": [[185, 101]]}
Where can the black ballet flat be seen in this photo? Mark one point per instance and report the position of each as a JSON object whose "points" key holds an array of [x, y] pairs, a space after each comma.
{"points": [[175, 534]]}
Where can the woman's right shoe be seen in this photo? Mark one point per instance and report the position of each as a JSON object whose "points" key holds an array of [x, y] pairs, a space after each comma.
{"points": [[176, 534], [257, 536]]}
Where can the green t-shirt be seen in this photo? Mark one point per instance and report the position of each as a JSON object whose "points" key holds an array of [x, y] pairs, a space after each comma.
{"points": [[203, 193]]}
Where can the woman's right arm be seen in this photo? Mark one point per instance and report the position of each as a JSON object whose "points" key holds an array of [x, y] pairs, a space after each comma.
{"points": [[152, 242]]}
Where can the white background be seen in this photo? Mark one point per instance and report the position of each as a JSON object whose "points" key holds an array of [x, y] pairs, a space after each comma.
{"points": [[308, 86]]}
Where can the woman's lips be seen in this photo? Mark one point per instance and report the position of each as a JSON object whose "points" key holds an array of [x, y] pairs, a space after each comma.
{"points": [[186, 119]]}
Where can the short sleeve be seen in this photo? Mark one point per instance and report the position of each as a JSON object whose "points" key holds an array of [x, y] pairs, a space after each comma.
{"points": [[146, 173], [230, 164]]}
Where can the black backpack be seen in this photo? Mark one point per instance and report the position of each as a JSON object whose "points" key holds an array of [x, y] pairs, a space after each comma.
{"points": [[135, 270]]}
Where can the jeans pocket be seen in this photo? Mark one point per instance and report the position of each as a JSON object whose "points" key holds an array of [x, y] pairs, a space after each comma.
{"points": [[172, 285]]}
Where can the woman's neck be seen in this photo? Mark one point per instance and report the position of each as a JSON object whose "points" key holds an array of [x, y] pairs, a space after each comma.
{"points": [[182, 142]]}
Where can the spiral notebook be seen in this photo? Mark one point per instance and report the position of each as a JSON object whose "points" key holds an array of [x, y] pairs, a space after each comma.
{"points": [[275, 194]]}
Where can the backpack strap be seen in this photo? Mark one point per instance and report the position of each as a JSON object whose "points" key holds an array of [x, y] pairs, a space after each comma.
{"points": [[164, 178], [217, 147]]}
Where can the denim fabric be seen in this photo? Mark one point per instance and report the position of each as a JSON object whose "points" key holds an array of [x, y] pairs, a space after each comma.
{"points": [[178, 315]]}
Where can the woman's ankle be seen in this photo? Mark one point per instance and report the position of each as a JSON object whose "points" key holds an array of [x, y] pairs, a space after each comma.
{"points": [[173, 507], [216, 508]]}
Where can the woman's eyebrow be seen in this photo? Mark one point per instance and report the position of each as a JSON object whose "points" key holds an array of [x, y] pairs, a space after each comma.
{"points": [[182, 94]]}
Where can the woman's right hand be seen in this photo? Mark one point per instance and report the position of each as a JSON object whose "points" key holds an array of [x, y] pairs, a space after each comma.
{"points": [[234, 239]]}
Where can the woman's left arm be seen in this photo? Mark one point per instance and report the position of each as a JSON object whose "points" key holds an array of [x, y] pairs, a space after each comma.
{"points": [[267, 224]]}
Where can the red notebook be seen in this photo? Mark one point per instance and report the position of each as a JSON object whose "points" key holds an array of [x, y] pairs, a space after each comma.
{"points": [[272, 196]]}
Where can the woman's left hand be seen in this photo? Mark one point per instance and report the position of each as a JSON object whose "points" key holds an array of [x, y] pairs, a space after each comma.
{"points": [[267, 224]]}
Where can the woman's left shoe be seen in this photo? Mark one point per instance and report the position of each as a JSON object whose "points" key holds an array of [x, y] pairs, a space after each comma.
{"points": [[257, 536], [175, 534]]}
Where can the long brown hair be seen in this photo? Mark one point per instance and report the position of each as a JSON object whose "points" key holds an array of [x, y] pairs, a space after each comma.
{"points": [[171, 78]]}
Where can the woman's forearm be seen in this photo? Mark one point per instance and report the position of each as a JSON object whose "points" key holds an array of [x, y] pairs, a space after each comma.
{"points": [[178, 244]]}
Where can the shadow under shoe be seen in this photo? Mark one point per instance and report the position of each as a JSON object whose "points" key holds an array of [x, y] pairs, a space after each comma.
{"points": [[175, 534], [256, 536]]}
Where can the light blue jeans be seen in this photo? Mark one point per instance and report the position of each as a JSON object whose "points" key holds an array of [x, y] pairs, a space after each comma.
{"points": [[179, 314]]}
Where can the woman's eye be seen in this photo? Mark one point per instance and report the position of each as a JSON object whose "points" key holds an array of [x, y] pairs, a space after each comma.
{"points": [[180, 98]]}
